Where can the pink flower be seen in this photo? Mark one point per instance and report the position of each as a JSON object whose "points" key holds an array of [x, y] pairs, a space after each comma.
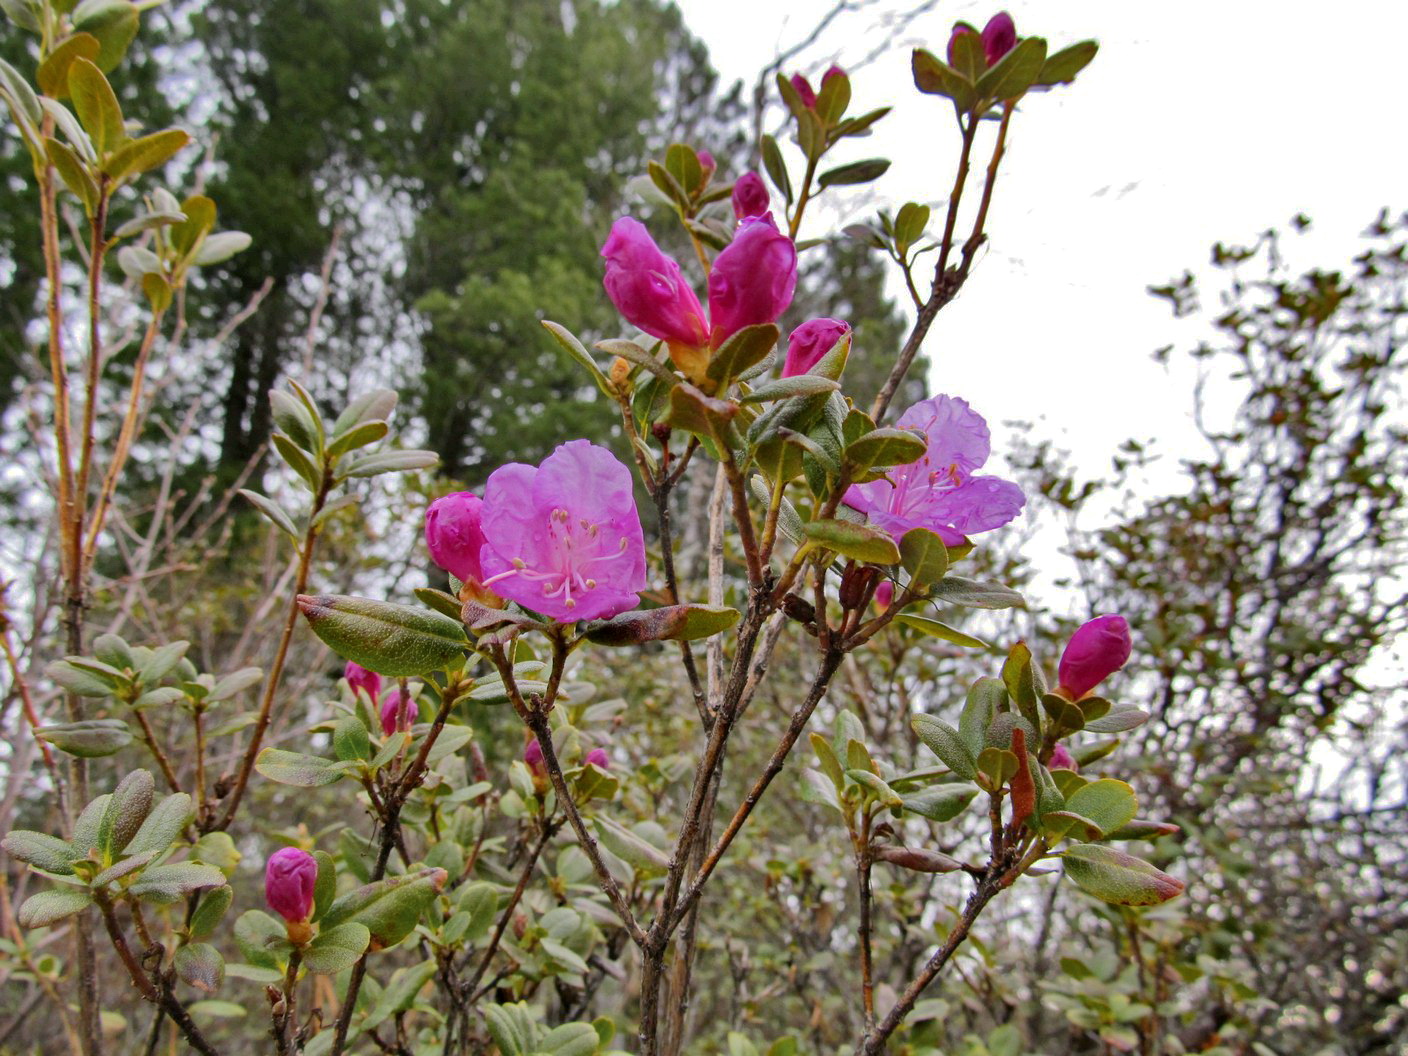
{"points": [[750, 196], [939, 491], [804, 89], [809, 342], [564, 538], [398, 712], [753, 279], [597, 757], [533, 758], [359, 678], [884, 595], [454, 534], [999, 37], [1062, 759], [1097, 650], [707, 163], [289, 879], [648, 288], [959, 29]]}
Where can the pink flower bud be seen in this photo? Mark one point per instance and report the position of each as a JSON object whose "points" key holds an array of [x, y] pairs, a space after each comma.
{"points": [[884, 595], [359, 678], [834, 71], [533, 758], [750, 196], [398, 712], [959, 29], [804, 89], [454, 534], [647, 287], [1062, 759], [289, 879], [999, 37], [597, 757], [707, 163], [810, 342], [1097, 650], [753, 279]]}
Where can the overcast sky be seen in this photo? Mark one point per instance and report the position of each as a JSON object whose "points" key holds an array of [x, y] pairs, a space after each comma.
{"points": [[1197, 121]]}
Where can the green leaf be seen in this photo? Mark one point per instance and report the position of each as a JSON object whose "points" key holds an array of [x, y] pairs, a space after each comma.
{"points": [[630, 847], [1062, 67], [336, 949], [876, 786], [387, 462], [817, 788], [570, 1039], [744, 349], [162, 825], [1015, 72], [1119, 878], [292, 416], [400, 993], [939, 802], [968, 56], [263, 941], [211, 911], [389, 908], [675, 623], [1119, 719], [884, 447], [86, 680], [299, 461], [52, 76], [190, 232], [374, 406], [970, 593], [325, 886], [164, 884], [1023, 678], [633, 353], [785, 388], [387, 638], [350, 739], [935, 77], [511, 1027], [682, 163], [96, 105], [50, 907], [162, 662], [1108, 803], [113, 22], [691, 411], [220, 247], [574, 348], [776, 167], [40, 850], [234, 683], [217, 849], [140, 155], [74, 174], [942, 631], [293, 768], [860, 542], [924, 556], [1064, 714], [910, 223], [200, 965], [986, 698], [944, 741], [89, 739], [856, 172]]}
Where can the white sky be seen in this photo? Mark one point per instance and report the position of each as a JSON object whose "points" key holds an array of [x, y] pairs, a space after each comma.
{"points": [[1198, 121]]}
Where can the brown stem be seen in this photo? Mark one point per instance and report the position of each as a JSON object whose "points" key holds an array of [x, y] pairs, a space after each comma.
{"points": [[667, 560], [271, 687], [148, 989], [549, 827], [149, 736], [96, 252], [867, 972]]}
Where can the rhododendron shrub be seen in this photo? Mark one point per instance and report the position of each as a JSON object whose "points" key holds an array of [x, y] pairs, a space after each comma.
{"points": [[479, 888]]}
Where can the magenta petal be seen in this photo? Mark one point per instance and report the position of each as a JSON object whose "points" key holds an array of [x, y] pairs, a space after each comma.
{"points": [[289, 879], [753, 279], [957, 435], [979, 504], [810, 342], [648, 288]]}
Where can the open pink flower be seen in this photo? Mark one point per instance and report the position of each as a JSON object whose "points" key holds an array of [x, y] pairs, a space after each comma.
{"points": [[750, 196], [564, 538], [289, 879], [359, 678], [753, 279], [1098, 649], [809, 342], [939, 491], [398, 712], [454, 535], [647, 287]]}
